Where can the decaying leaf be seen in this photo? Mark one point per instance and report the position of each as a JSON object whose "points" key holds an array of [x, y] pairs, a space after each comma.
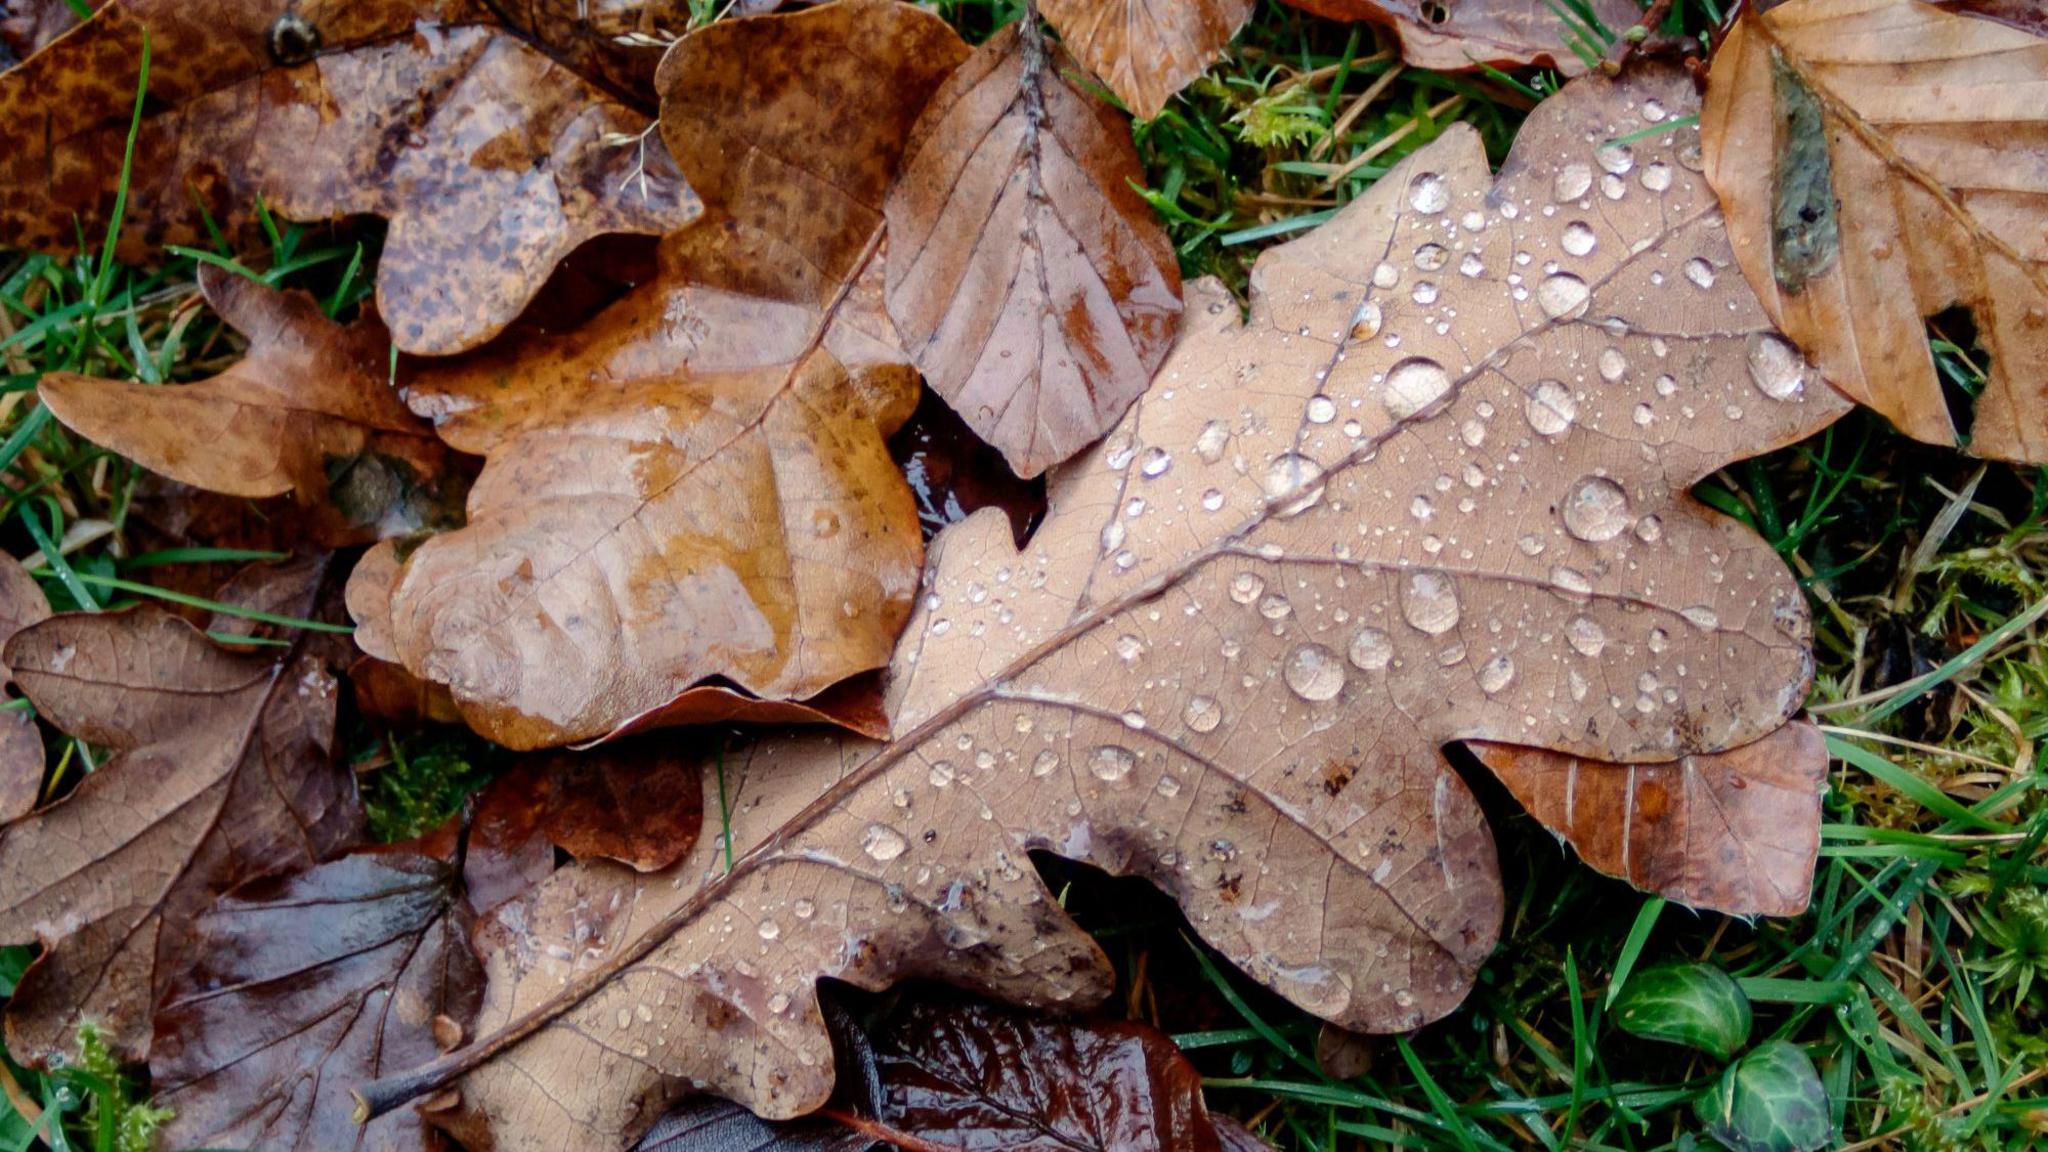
{"points": [[491, 160], [1736, 831], [223, 770], [1143, 50], [27, 25], [1880, 162], [1036, 289], [22, 604], [1454, 34], [302, 986], [696, 484], [309, 410], [639, 802], [1434, 489]]}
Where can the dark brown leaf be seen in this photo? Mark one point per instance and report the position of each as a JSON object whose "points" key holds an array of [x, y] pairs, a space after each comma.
{"points": [[309, 410], [302, 987], [1457, 34], [1146, 50], [1036, 289], [490, 160], [27, 25], [223, 770], [639, 802]]}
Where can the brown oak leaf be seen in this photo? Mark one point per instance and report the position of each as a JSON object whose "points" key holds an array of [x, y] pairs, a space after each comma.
{"points": [[22, 604], [696, 486], [309, 410], [491, 160], [1036, 289], [1146, 50], [1880, 163], [223, 770], [1435, 488], [1452, 34]]}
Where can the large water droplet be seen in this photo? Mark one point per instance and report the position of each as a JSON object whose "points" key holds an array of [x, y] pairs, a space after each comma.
{"points": [[1699, 272], [1429, 602], [1613, 364], [1209, 445], [1429, 194], [1701, 616], [1775, 367], [1155, 462], [941, 773], [1615, 158], [1366, 324], [1414, 384], [1496, 674], [1596, 509], [1295, 481], [1313, 672], [1573, 181], [1245, 587], [1550, 407], [883, 842], [1563, 296], [1371, 649], [1585, 635], [1578, 239], [1431, 257], [1320, 409], [1202, 713], [1112, 762]]}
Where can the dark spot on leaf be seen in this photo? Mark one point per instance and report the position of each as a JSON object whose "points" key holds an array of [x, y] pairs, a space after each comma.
{"points": [[1804, 236]]}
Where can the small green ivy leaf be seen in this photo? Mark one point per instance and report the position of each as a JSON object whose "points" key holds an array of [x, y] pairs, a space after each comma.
{"points": [[1694, 1004], [1769, 1101]]}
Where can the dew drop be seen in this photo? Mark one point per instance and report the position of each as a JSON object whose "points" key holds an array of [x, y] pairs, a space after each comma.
{"points": [[1429, 602], [1429, 194], [1613, 365], [1496, 674], [1472, 265], [1563, 296], [1295, 481], [769, 930], [1570, 581], [1699, 272], [1573, 181], [1366, 324], [883, 842], [1155, 462], [1045, 762], [1701, 616], [1202, 714], [1550, 407], [1579, 238], [1615, 158], [1371, 649], [1425, 292], [1245, 587], [1385, 275], [1313, 672], [1775, 367], [1321, 409], [941, 773], [1212, 500], [1168, 786], [1209, 445], [1431, 257], [1656, 177], [1414, 384], [1585, 635], [1596, 509], [1112, 762]]}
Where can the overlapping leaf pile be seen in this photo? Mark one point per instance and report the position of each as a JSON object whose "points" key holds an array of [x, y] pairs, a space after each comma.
{"points": [[1432, 489]]}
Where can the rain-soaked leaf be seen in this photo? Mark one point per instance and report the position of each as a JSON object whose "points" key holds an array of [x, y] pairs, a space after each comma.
{"points": [[21, 743], [490, 159], [639, 802], [692, 496], [222, 770], [27, 25], [1735, 831], [1146, 51], [1427, 492], [1455, 34], [304, 985], [1035, 288], [1694, 1004], [1771, 1100], [309, 410], [1905, 180]]}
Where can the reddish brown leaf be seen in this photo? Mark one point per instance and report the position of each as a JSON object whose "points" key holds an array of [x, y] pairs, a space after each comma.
{"points": [[303, 986], [309, 410], [387, 692], [491, 161], [27, 25], [1227, 662], [1454, 34], [696, 486], [21, 743], [1035, 288], [1144, 50], [639, 802], [223, 770], [1735, 831]]}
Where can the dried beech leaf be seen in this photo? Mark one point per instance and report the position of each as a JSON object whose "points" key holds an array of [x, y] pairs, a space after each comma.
{"points": [[697, 483], [491, 160], [1036, 289], [1452, 34], [1735, 831], [223, 770], [309, 410], [301, 987], [1880, 162], [1308, 558], [22, 604], [1145, 51]]}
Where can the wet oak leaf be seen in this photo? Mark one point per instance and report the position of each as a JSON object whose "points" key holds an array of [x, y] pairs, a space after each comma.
{"points": [[689, 503], [222, 770], [22, 604], [302, 986], [1036, 289], [1735, 831], [639, 802], [1905, 178], [490, 160], [1448, 35], [1429, 491], [1146, 50], [308, 411]]}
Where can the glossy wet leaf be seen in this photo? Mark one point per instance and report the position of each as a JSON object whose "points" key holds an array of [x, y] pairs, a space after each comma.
{"points": [[1692, 1004], [1904, 180], [696, 485], [1425, 493], [222, 770], [1771, 1100], [490, 159], [1460, 34], [22, 604], [304, 985], [1145, 51], [1035, 288], [1736, 831], [639, 802], [309, 410]]}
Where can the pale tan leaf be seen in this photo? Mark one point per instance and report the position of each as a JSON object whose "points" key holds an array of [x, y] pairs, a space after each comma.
{"points": [[1146, 50], [1428, 491], [22, 604], [1881, 161]]}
